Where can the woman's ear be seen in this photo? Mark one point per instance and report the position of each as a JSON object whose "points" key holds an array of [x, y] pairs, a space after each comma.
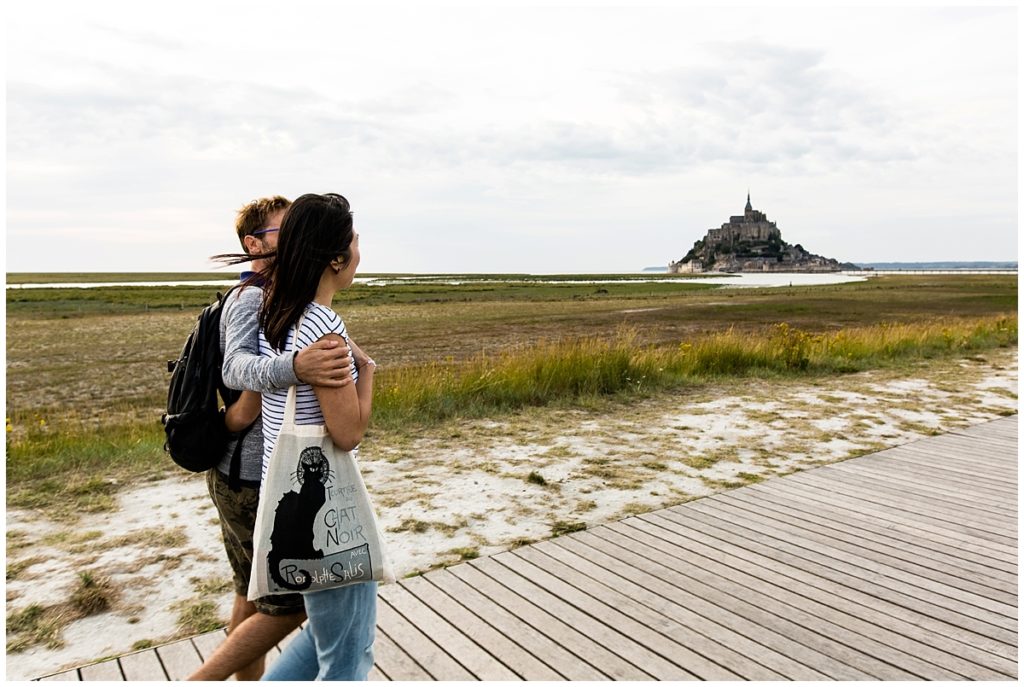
{"points": [[336, 265]]}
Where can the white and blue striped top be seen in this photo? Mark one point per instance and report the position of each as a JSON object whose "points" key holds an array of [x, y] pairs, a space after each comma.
{"points": [[318, 321]]}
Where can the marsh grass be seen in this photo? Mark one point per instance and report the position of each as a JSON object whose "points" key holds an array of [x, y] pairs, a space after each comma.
{"points": [[83, 406], [567, 369], [50, 465]]}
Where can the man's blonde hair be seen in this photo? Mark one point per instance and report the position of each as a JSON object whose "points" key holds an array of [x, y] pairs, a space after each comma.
{"points": [[253, 215]]}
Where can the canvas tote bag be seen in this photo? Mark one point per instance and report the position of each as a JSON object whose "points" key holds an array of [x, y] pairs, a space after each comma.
{"points": [[315, 525]]}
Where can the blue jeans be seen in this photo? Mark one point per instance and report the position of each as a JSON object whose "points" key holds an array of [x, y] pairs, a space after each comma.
{"points": [[337, 641]]}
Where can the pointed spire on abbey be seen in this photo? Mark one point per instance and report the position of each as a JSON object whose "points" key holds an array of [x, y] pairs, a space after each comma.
{"points": [[751, 243]]}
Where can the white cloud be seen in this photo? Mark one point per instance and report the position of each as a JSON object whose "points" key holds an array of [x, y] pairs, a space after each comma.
{"points": [[510, 139]]}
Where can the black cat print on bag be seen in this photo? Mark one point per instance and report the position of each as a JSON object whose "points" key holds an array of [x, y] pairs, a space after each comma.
{"points": [[294, 518]]}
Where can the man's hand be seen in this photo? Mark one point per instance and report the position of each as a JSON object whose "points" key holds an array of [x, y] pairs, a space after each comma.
{"points": [[327, 362]]}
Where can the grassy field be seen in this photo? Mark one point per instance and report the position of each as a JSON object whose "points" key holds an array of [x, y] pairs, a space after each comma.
{"points": [[86, 374]]}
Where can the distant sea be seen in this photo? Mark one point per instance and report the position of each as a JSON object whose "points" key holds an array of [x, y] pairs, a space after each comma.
{"points": [[910, 266], [939, 265]]}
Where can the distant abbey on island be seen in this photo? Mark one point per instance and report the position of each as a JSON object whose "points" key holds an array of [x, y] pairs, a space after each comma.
{"points": [[750, 243]]}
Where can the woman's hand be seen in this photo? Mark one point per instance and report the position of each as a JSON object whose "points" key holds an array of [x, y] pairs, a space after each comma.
{"points": [[360, 356]]}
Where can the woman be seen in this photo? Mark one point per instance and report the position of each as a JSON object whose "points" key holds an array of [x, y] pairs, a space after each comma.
{"points": [[317, 256]]}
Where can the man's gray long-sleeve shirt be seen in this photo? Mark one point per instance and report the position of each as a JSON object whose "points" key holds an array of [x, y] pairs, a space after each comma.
{"points": [[244, 368]]}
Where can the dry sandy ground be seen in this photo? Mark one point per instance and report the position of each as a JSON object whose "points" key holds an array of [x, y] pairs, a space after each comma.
{"points": [[466, 488]]}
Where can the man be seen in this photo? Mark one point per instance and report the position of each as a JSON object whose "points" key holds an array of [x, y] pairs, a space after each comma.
{"points": [[257, 626]]}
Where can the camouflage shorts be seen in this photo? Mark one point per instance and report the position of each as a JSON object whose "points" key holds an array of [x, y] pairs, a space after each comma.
{"points": [[237, 511]]}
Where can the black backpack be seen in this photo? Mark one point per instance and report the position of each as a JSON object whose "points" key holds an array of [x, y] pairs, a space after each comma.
{"points": [[196, 435]]}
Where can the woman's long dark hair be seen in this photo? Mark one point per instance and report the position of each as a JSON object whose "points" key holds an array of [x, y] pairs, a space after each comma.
{"points": [[316, 230]]}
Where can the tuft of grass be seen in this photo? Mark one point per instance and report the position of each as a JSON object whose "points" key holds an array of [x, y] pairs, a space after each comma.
{"points": [[197, 617], [142, 644], [633, 509], [411, 525], [521, 541], [161, 538], [466, 553], [700, 462], [560, 527], [212, 586], [34, 625], [16, 568], [536, 478], [92, 595]]}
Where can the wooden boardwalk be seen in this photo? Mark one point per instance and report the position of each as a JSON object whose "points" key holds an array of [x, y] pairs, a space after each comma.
{"points": [[897, 565]]}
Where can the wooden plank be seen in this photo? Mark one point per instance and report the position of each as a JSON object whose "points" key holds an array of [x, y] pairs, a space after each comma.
{"points": [[952, 466], [105, 671], [662, 634], [821, 583], [480, 664], [946, 493], [583, 647], [900, 514], [916, 502], [783, 554], [63, 676], [856, 512], [142, 666], [716, 644], [910, 639], [977, 448], [812, 642], [525, 665], [538, 586], [553, 655], [868, 540], [915, 511], [976, 612], [721, 626], [958, 447], [925, 466], [935, 500], [393, 662], [991, 433], [209, 642], [965, 589], [180, 659], [1005, 427], [419, 646], [375, 675], [977, 490], [978, 451]]}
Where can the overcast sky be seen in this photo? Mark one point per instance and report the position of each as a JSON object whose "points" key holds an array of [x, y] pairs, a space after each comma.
{"points": [[508, 139]]}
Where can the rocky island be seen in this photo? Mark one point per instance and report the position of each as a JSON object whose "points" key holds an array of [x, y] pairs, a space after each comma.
{"points": [[750, 243]]}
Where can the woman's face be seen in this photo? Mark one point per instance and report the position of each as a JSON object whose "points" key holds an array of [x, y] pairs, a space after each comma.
{"points": [[348, 274]]}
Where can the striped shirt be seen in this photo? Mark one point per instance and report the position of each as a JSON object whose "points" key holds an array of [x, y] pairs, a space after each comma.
{"points": [[318, 321]]}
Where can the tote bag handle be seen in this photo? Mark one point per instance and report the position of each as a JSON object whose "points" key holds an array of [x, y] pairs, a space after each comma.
{"points": [[290, 402]]}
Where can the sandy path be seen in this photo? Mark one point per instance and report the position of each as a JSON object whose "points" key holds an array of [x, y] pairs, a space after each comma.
{"points": [[476, 488]]}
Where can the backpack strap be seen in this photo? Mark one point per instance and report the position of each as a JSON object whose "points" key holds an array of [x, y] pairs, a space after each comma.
{"points": [[235, 472]]}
